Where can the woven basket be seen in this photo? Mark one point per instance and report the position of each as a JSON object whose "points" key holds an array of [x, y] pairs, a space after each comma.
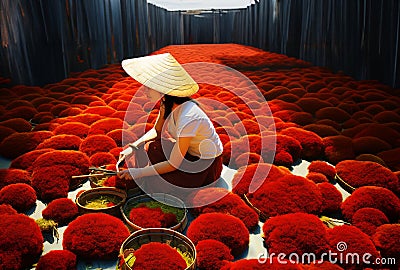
{"points": [[94, 193], [160, 197], [162, 235]]}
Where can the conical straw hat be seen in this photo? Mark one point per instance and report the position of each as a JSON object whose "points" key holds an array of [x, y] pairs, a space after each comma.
{"points": [[162, 73]]}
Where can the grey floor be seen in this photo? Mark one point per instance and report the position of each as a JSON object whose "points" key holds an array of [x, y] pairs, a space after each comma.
{"points": [[256, 247]]}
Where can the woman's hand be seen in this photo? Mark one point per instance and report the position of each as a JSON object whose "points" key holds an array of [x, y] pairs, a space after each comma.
{"points": [[130, 174]]}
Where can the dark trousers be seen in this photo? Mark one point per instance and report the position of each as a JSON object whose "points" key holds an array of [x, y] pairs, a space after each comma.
{"points": [[193, 172]]}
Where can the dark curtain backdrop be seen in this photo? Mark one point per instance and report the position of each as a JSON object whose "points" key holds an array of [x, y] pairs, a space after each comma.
{"points": [[42, 41]]}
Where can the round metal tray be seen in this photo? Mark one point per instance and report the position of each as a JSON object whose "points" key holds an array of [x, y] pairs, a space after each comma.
{"points": [[90, 194], [160, 197], [162, 235]]}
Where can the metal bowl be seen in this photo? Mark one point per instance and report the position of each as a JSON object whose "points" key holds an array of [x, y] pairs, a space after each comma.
{"points": [[346, 186], [161, 235], [160, 197], [94, 193]]}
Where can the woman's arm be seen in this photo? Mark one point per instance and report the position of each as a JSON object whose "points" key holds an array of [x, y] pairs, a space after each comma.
{"points": [[157, 128], [177, 155]]}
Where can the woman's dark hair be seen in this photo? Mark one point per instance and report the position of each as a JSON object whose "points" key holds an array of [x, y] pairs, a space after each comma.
{"points": [[170, 100]]}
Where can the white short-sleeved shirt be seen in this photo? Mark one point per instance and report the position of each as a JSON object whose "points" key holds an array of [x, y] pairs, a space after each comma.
{"points": [[188, 120]]}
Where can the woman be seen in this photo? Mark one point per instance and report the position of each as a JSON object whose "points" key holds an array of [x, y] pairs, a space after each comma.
{"points": [[193, 158]]}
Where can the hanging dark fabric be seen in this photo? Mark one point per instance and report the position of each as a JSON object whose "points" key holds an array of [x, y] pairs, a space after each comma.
{"points": [[43, 41]]}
